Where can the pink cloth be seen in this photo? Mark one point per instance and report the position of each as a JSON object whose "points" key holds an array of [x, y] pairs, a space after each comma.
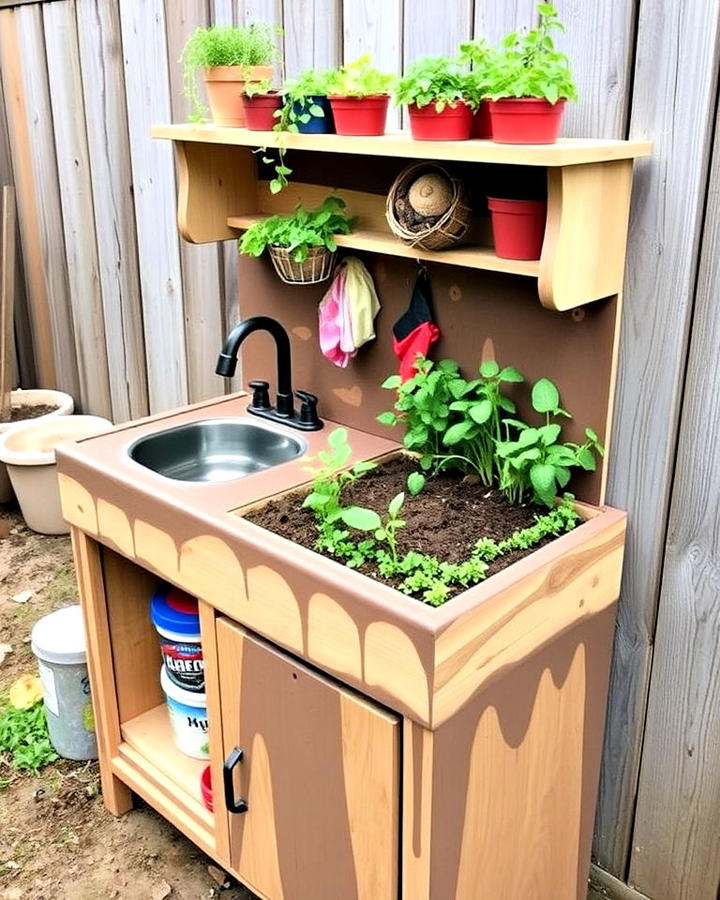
{"points": [[334, 324]]}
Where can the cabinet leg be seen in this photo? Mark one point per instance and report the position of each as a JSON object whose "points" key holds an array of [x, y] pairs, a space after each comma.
{"points": [[117, 796]]}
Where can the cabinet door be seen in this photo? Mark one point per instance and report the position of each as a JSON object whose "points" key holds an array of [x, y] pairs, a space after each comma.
{"points": [[319, 771]]}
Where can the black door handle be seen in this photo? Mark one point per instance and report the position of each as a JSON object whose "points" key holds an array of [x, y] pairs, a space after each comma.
{"points": [[233, 805]]}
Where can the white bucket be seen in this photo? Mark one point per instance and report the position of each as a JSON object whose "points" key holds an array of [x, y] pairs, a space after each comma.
{"points": [[29, 453], [58, 642], [188, 717]]}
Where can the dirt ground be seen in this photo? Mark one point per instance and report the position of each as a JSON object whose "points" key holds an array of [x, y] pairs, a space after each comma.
{"points": [[57, 842]]}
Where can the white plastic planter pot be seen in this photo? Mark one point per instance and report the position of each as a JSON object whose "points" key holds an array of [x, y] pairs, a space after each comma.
{"points": [[28, 451], [65, 406]]}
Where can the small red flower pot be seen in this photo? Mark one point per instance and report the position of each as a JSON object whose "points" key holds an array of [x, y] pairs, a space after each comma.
{"points": [[260, 111], [481, 124], [526, 120], [362, 116], [454, 123], [206, 788], [518, 227]]}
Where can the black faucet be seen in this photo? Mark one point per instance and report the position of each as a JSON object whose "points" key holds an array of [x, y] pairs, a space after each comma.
{"points": [[284, 410]]}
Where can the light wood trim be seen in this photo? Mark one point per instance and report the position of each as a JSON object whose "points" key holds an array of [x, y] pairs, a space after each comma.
{"points": [[161, 793], [150, 735], [88, 568], [566, 152], [472, 257], [215, 723], [583, 256], [417, 810], [213, 182]]}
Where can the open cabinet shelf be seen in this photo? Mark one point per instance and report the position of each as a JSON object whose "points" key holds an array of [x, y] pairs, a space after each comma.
{"points": [[222, 188]]}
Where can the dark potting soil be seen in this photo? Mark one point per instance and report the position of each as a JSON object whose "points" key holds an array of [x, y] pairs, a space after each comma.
{"points": [[30, 411], [445, 520]]}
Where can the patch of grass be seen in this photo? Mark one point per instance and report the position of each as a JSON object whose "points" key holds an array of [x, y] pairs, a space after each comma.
{"points": [[62, 590]]}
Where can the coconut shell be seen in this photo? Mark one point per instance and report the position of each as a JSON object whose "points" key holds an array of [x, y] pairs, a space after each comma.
{"points": [[430, 195]]}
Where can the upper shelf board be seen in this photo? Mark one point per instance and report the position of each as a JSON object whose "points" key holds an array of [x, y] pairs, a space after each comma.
{"points": [[566, 152]]}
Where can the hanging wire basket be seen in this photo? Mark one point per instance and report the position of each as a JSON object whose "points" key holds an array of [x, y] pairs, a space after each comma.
{"points": [[315, 268]]}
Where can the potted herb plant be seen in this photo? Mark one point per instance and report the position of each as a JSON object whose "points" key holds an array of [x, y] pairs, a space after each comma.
{"points": [[260, 104], [306, 103], [479, 54], [530, 81], [301, 245], [359, 96], [437, 93], [229, 56]]}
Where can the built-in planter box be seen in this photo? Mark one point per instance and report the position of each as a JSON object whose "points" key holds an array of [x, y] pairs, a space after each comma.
{"points": [[501, 691]]}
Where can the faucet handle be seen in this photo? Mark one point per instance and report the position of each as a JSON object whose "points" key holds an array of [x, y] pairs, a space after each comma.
{"points": [[261, 395], [308, 415]]}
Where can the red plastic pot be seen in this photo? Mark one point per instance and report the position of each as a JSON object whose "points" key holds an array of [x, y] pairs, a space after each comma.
{"points": [[454, 123], [260, 111], [518, 227], [206, 788], [526, 120], [481, 124], [364, 116]]}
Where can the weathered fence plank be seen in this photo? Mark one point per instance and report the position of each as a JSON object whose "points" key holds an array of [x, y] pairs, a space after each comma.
{"points": [[312, 34], [77, 217], [675, 846], [430, 31], [148, 101], [494, 20], [200, 264], [36, 183], [375, 27], [101, 65], [670, 101]]}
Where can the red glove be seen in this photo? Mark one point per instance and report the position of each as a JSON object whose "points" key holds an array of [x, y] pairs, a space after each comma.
{"points": [[415, 331]]}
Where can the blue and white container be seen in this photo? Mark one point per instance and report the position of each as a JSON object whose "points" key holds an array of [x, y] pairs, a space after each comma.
{"points": [[176, 620], [58, 642], [188, 717]]}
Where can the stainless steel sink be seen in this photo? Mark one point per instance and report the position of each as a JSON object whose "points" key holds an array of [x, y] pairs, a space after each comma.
{"points": [[215, 450]]}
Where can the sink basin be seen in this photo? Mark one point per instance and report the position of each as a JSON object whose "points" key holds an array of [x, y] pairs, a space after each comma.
{"points": [[215, 450]]}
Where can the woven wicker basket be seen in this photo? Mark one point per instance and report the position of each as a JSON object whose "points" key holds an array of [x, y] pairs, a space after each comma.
{"points": [[449, 229], [316, 268]]}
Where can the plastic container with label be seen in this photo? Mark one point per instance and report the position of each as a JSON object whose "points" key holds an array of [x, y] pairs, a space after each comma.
{"points": [[175, 617], [188, 717], [58, 642]]}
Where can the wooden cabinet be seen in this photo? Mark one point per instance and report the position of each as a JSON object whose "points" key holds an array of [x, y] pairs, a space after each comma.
{"points": [[319, 772]]}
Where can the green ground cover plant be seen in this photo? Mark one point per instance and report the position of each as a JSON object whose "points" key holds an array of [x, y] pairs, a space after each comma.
{"points": [[438, 80], [24, 737], [299, 230]]}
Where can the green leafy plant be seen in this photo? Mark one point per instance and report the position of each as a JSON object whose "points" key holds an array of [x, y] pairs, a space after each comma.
{"points": [[415, 483], [256, 88], [24, 736], [225, 45], [358, 79], [422, 406], [329, 478], [438, 80], [482, 59], [538, 460], [300, 230], [529, 64], [300, 94]]}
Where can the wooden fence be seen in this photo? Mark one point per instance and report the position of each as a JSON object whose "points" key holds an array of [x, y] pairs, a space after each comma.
{"points": [[113, 308]]}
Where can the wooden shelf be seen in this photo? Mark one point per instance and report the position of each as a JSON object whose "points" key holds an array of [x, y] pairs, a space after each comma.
{"points": [[379, 242], [566, 152], [149, 746]]}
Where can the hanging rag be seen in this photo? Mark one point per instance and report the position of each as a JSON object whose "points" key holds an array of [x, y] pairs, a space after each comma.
{"points": [[347, 312], [414, 332]]}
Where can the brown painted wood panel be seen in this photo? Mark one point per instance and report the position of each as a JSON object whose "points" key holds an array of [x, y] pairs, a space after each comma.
{"points": [[320, 774], [675, 852], [676, 56]]}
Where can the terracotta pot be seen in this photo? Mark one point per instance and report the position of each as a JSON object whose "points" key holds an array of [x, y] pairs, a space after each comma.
{"points": [[224, 86], [260, 111], [526, 120], [29, 454], [36, 397], [482, 125], [363, 116], [518, 227], [454, 123]]}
